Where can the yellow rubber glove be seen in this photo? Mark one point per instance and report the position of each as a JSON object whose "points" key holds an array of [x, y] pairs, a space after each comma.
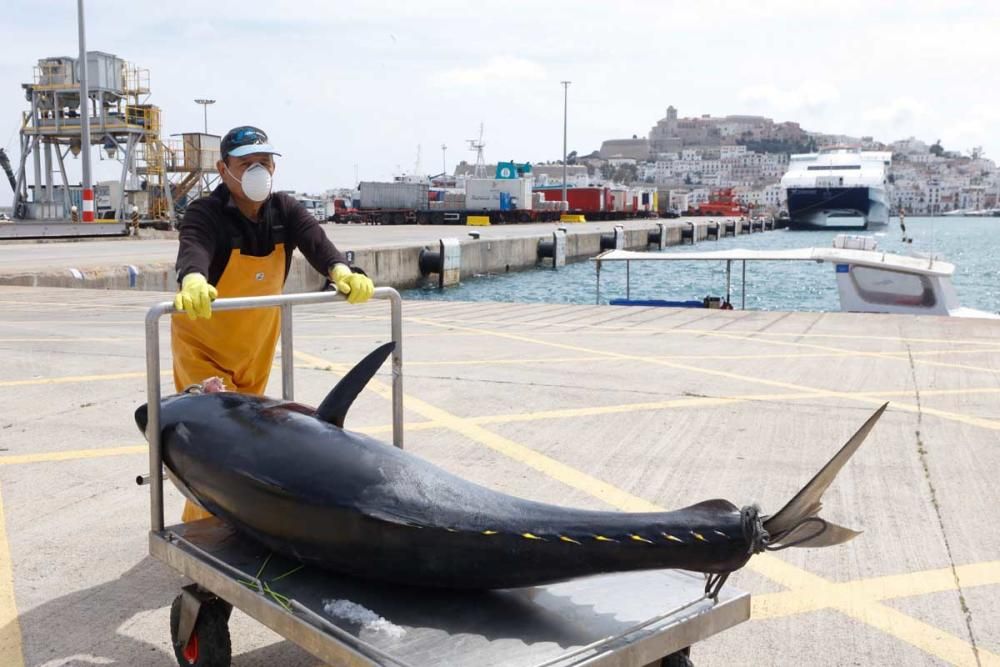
{"points": [[196, 296], [356, 286]]}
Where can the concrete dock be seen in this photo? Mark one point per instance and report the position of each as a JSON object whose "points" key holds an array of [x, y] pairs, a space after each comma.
{"points": [[589, 406], [389, 254]]}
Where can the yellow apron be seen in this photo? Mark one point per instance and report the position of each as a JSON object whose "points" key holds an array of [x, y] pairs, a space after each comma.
{"points": [[236, 345]]}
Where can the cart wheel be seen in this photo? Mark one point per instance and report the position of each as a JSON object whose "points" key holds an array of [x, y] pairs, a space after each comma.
{"points": [[680, 659], [209, 645]]}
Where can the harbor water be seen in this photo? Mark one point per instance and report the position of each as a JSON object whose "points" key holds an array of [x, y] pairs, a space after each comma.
{"points": [[968, 243]]}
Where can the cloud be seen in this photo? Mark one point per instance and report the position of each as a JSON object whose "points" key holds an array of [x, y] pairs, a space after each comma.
{"points": [[501, 68], [810, 96], [899, 112]]}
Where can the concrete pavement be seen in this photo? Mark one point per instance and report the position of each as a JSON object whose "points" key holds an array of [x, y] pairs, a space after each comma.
{"points": [[625, 408]]}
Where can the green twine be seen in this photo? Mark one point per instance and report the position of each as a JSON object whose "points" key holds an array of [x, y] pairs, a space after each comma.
{"points": [[265, 587]]}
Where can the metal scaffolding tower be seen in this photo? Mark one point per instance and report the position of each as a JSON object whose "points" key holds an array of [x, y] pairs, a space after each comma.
{"points": [[125, 127]]}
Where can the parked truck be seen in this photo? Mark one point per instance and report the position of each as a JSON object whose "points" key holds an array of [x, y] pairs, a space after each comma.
{"points": [[501, 200]]}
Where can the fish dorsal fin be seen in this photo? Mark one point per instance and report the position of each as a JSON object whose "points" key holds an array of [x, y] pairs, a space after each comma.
{"points": [[334, 407], [716, 505]]}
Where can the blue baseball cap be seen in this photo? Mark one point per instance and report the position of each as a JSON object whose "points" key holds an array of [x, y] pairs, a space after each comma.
{"points": [[245, 140]]}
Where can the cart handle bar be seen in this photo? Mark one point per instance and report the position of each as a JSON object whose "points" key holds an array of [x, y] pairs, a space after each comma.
{"points": [[286, 302]]}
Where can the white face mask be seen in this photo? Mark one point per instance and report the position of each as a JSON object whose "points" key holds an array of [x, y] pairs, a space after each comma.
{"points": [[256, 182]]}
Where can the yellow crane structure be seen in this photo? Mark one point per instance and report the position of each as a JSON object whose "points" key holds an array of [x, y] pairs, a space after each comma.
{"points": [[156, 174]]}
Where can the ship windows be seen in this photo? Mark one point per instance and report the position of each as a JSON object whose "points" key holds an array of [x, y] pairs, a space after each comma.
{"points": [[893, 288], [834, 167]]}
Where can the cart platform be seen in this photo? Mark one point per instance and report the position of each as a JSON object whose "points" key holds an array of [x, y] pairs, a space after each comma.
{"points": [[619, 619]]}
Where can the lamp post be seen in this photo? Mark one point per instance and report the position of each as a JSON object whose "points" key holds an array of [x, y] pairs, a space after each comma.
{"points": [[565, 85], [204, 103], [88, 192], [444, 168]]}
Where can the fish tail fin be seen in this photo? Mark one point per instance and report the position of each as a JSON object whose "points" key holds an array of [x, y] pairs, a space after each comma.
{"points": [[798, 523]]}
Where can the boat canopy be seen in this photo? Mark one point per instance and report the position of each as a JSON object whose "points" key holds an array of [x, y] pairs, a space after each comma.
{"points": [[872, 258]]}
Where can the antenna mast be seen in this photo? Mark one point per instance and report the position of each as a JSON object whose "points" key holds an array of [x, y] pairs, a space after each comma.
{"points": [[479, 171]]}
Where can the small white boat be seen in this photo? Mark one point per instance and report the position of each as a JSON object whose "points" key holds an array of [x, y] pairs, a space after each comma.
{"points": [[868, 280]]}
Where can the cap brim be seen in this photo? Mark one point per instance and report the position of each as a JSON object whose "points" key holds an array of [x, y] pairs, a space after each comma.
{"points": [[250, 149]]}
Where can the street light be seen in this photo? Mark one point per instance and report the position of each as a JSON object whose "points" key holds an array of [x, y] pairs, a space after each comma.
{"points": [[88, 197], [444, 168], [565, 85], [204, 104]]}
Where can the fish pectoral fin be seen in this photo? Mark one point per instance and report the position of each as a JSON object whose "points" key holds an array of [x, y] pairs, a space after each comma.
{"points": [[334, 407], [388, 516], [820, 533]]}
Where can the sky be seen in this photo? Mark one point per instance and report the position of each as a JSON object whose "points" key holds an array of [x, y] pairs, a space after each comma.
{"points": [[355, 88]]}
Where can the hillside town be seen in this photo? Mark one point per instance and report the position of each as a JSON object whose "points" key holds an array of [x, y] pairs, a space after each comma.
{"points": [[690, 157]]}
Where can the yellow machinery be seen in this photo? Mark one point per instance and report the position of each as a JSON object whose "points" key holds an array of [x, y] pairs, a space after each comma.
{"points": [[125, 126]]}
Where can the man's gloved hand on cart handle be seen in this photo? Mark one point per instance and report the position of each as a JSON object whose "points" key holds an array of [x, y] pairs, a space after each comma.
{"points": [[357, 287], [196, 296]]}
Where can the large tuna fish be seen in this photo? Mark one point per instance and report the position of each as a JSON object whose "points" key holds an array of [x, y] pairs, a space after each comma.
{"points": [[294, 479]]}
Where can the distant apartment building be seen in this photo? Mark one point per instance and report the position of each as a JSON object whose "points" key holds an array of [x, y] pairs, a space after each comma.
{"points": [[552, 174]]}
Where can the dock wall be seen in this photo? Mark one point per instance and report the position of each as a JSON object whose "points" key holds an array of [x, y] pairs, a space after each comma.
{"points": [[395, 266]]}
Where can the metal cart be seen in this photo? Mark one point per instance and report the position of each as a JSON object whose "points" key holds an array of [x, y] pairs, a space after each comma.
{"points": [[619, 619]]}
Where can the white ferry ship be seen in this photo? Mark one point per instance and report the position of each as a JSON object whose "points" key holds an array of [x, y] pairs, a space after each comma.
{"points": [[838, 188]]}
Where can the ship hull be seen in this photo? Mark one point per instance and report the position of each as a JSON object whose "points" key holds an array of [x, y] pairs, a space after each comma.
{"points": [[835, 208]]}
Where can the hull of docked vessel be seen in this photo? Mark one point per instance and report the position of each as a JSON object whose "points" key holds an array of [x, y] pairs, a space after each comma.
{"points": [[838, 188]]}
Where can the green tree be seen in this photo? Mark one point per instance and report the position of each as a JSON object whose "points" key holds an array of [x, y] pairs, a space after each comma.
{"points": [[936, 149]]}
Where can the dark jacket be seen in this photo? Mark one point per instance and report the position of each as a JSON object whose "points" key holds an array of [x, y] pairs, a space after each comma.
{"points": [[213, 226]]}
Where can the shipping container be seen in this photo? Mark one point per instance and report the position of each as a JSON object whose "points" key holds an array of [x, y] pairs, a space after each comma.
{"points": [[587, 200], [505, 194], [411, 196], [619, 197]]}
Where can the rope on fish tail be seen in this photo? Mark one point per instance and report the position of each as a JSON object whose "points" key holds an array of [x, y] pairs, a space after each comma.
{"points": [[757, 540], [822, 526], [756, 537]]}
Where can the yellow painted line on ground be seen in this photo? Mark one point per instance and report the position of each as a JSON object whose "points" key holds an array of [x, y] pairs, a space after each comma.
{"points": [[804, 599], [641, 329], [67, 339], [702, 401], [429, 334], [509, 362], [11, 653], [73, 323], [72, 455], [861, 397], [692, 402], [925, 637], [75, 305], [895, 356], [72, 379]]}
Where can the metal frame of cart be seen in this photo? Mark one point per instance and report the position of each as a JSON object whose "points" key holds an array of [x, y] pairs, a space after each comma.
{"points": [[622, 619]]}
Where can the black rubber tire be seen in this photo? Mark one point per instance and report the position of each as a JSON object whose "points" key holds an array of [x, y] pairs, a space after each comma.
{"points": [[211, 632], [680, 659]]}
